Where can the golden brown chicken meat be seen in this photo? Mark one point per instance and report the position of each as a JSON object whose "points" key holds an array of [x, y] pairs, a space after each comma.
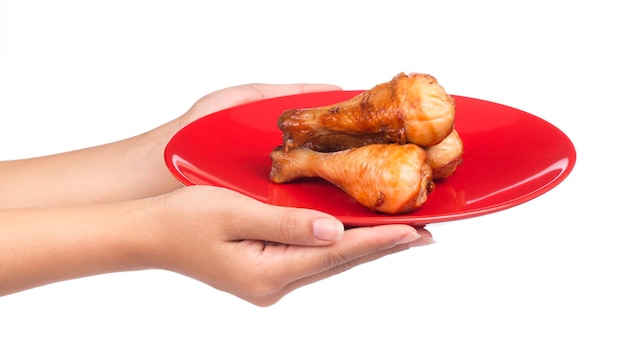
{"points": [[388, 178], [411, 108], [445, 156]]}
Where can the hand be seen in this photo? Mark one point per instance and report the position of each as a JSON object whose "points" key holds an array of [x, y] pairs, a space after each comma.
{"points": [[260, 252], [129, 169], [239, 95], [103, 220]]}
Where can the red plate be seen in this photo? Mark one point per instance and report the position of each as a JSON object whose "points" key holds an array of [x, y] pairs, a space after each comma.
{"points": [[510, 157]]}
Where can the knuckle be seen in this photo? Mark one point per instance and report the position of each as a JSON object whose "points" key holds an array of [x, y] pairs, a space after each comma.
{"points": [[338, 269], [289, 225], [339, 262]]}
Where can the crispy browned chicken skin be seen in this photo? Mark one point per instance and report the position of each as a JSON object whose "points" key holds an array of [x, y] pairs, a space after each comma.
{"points": [[411, 108], [388, 178]]}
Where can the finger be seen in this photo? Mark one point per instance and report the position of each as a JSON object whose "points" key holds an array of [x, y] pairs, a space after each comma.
{"points": [[374, 242], [242, 94], [271, 298], [424, 239], [267, 91], [286, 225]]}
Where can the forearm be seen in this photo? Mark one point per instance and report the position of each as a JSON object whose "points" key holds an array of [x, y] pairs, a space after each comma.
{"points": [[128, 169], [124, 170], [42, 246]]}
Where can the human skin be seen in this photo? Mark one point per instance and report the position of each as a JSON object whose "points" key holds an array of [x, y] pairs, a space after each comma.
{"points": [[58, 225]]}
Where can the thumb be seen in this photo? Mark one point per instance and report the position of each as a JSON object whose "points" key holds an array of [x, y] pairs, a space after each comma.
{"points": [[289, 225]]}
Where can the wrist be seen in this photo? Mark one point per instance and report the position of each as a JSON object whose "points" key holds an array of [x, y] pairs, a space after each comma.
{"points": [[154, 244]]}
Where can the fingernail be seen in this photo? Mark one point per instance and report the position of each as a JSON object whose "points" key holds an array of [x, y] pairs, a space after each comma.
{"points": [[417, 238], [408, 238], [327, 229], [422, 241]]}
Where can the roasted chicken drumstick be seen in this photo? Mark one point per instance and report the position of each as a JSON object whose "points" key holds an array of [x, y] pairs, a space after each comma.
{"points": [[411, 108], [388, 178], [445, 156]]}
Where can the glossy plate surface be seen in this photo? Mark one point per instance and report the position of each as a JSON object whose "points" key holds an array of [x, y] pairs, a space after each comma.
{"points": [[510, 158]]}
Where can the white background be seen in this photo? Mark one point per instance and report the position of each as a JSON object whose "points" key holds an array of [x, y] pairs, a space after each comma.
{"points": [[546, 277]]}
